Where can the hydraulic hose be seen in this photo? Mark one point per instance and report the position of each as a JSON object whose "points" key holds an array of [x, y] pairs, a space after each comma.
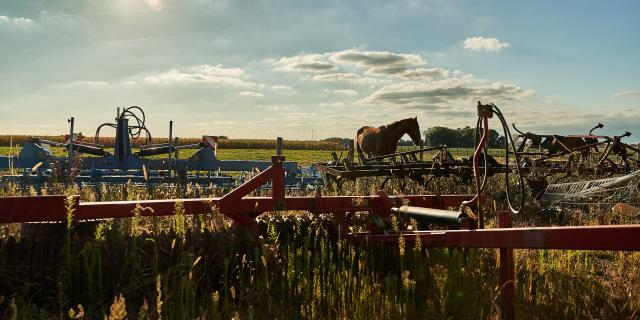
{"points": [[509, 141]]}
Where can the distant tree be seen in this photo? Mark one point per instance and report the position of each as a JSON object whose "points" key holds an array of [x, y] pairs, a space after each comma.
{"points": [[403, 142], [460, 137], [439, 135], [343, 141]]}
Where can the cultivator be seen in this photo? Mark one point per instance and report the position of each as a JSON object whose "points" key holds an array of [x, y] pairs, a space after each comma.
{"points": [[407, 164], [580, 154], [152, 164], [605, 192], [458, 218]]}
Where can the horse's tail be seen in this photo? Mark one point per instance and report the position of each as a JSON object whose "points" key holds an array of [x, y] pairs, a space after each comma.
{"points": [[356, 141]]}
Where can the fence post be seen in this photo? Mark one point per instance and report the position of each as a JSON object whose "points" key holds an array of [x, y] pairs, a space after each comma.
{"points": [[350, 148], [170, 143], [507, 273], [421, 146], [177, 152], [279, 146]]}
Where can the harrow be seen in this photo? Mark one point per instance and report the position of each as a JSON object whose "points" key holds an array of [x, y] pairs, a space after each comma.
{"points": [[582, 154], [400, 165], [152, 164], [459, 219]]}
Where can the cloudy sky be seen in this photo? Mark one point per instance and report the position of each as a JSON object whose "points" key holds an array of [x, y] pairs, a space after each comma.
{"points": [[289, 68]]}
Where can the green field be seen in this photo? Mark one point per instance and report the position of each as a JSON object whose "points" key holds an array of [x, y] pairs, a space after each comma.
{"points": [[303, 157]]}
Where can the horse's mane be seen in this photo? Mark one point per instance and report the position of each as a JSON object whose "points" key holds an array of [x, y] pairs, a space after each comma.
{"points": [[395, 123]]}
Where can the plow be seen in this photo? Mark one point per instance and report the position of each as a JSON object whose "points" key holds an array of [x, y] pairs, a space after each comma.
{"points": [[444, 220]]}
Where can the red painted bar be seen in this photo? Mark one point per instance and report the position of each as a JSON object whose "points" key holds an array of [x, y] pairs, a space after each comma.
{"points": [[40, 208], [51, 208], [610, 237], [507, 272]]}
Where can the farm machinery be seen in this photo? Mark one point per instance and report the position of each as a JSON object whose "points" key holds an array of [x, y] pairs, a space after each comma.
{"points": [[582, 154], [152, 164], [458, 220], [406, 164], [542, 156]]}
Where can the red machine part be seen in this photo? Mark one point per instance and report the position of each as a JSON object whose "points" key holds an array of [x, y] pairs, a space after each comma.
{"points": [[236, 205]]}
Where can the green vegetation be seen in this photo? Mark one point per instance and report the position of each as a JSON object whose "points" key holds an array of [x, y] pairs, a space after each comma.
{"points": [[460, 137], [303, 157], [185, 267]]}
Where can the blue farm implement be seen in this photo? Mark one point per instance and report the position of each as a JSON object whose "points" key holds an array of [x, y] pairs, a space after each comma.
{"points": [[152, 164]]}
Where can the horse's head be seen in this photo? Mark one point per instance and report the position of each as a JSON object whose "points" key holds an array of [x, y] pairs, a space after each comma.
{"points": [[413, 130]]}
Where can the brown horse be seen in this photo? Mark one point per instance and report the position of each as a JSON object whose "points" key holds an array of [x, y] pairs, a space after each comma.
{"points": [[384, 140]]}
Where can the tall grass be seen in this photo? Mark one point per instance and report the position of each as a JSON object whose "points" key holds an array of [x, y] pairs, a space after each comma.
{"points": [[187, 267]]}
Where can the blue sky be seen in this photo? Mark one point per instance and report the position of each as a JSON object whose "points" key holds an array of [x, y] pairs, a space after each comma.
{"points": [[261, 69]]}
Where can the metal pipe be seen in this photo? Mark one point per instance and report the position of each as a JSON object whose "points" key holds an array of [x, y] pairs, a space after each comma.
{"points": [[170, 150], [71, 121], [279, 146], [406, 153], [176, 152], [431, 215], [507, 272], [476, 168], [350, 148]]}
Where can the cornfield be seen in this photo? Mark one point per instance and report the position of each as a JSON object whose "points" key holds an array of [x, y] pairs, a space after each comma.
{"points": [[7, 140]]}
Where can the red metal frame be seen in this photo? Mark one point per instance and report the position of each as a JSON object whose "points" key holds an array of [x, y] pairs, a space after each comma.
{"points": [[236, 205], [611, 237]]}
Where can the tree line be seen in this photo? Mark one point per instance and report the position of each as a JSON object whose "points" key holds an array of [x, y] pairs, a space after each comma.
{"points": [[460, 137]]}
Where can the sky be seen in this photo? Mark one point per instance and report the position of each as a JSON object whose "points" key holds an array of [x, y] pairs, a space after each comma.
{"points": [[318, 69]]}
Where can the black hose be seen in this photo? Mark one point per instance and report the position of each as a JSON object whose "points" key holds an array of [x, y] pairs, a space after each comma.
{"points": [[135, 131], [97, 137], [509, 138], [484, 153]]}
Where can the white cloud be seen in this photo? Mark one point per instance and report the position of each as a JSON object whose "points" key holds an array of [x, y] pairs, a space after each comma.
{"points": [[19, 22], [419, 73], [250, 94], [377, 65], [282, 87], [377, 59], [345, 77], [313, 63], [346, 92], [205, 74], [441, 95], [86, 84], [626, 94], [480, 44], [332, 104]]}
